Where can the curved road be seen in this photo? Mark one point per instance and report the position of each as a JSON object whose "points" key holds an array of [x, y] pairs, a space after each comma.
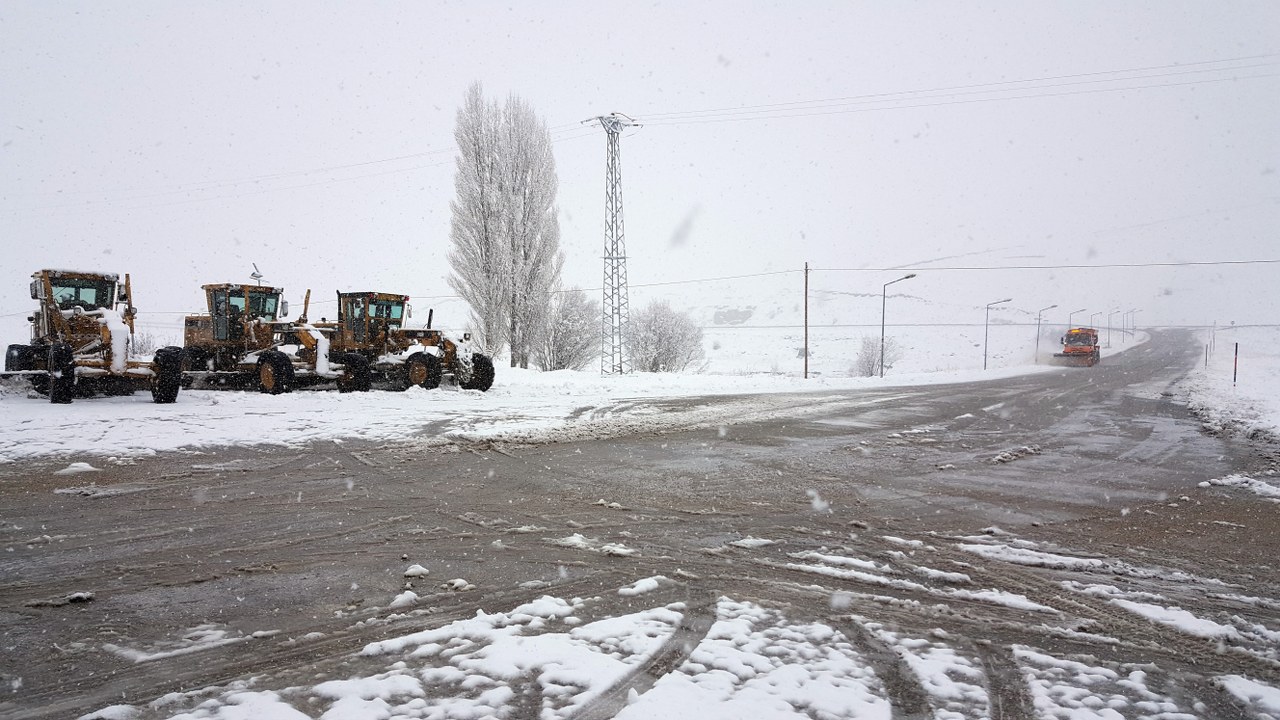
{"points": [[941, 511]]}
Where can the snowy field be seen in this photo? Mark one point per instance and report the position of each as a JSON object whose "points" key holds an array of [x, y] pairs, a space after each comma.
{"points": [[753, 343], [522, 406], [1249, 405]]}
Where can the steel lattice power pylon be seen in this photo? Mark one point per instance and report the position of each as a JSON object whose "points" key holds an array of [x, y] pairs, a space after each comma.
{"points": [[614, 358]]}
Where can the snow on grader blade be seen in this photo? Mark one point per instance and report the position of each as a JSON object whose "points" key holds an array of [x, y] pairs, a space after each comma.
{"points": [[82, 341], [242, 343], [1079, 348]]}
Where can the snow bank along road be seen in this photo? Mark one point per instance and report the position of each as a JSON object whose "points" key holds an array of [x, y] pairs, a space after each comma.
{"points": [[1047, 546]]}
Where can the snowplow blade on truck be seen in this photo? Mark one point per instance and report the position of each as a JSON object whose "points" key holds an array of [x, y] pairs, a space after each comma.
{"points": [[1079, 348]]}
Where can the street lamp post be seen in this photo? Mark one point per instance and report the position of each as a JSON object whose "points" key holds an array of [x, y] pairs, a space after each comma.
{"points": [[986, 328], [1038, 330], [884, 296], [1091, 317], [1109, 316], [1073, 312]]}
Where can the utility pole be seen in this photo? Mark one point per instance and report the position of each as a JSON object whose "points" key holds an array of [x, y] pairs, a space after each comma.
{"points": [[884, 297], [806, 321], [616, 313], [986, 328], [1038, 313]]}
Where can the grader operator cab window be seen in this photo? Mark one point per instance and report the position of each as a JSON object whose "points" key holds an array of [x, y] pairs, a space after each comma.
{"points": [[354, 317], [70, 293], [261, 305], [390, 312], [228, 312], [1079, 339], [359, 312]]}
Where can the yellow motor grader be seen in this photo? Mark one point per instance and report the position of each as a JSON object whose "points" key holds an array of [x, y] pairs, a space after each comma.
{"points": [[82, 341], [371, 326], [234, 344], [242, 342]]}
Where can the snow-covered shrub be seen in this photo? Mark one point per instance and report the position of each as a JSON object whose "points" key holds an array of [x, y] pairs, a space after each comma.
{"points": [[571, 338], [867, 363], [663, 340]]}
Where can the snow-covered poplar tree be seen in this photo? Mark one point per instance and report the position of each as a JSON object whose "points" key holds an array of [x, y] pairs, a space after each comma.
{"points": [[533, 230], [480, 255], [506, 237]]}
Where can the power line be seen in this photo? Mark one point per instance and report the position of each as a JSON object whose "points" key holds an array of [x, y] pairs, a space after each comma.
{"points": [[88, 205], [774, 273], [793, 109], [978, 87], [846, 326], [184, 189], [96, 204], [941, 103], [1100, 266], [637, 285], [718, 279]]}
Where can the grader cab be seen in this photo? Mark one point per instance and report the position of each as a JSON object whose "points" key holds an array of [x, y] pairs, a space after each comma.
{"points": [[242, 320], [372, 326], [81, 344], [240, 342]]}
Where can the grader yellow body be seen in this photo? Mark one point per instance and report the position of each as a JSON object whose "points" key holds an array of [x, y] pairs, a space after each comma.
{"points": [[243, 342], [82, 341]]}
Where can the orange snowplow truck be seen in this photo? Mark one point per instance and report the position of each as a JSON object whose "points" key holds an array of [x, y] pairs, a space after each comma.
{"points": [[1079, 347]]}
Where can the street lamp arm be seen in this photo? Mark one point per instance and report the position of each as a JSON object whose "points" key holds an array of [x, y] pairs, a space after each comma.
{"points": [[906, 277]]}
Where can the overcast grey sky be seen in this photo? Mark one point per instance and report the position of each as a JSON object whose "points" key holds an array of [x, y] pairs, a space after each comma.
{"points": [[181, 142]]}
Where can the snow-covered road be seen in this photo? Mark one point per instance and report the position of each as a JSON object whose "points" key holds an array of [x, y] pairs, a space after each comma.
{"points": [[523, 405], [864, 551]]}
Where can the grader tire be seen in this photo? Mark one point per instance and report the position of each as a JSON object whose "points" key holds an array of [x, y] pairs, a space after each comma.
{"points": [[423, 370], [167, 378], [275, 373], [62, 374], [481, 373], [357, 376], [18, 358]]}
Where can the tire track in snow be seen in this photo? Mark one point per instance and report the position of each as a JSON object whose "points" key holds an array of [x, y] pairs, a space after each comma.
{"points": [[906, 694], [221, 666], [1007, 691], [696, 621]]}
